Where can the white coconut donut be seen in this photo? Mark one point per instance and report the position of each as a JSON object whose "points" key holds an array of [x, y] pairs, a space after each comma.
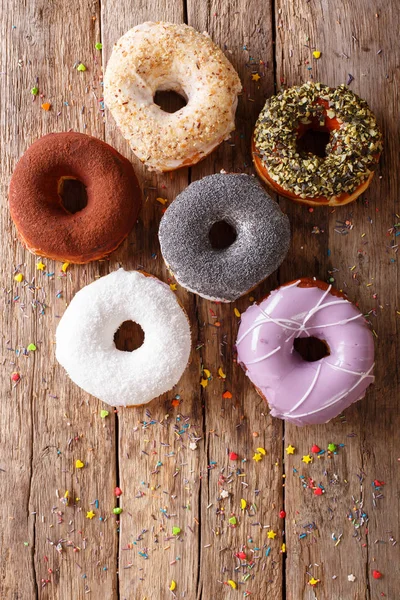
{"points": [[85, 339], [153, 57]]}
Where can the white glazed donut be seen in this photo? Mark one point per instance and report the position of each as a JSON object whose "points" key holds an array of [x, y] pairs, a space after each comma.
{"points": [[85, 339], [153, 57]]}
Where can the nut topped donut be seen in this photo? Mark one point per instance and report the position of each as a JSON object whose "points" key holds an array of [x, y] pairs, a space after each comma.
{"points": [[223, 235], [45, 226], [302, 389], [161, 56], [354, 147]]}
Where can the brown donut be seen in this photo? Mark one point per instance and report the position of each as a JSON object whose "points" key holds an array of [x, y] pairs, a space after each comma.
{"points": [[44, 226]]}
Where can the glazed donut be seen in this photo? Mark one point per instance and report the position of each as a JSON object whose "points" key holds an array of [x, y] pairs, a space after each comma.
{"points": [[262, 236], [162, 56], [44, 226], [306, 393], [354, 147], [85, 339]]}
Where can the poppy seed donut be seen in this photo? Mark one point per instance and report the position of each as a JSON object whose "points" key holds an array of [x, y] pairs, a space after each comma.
{"points": [[261, 229]]}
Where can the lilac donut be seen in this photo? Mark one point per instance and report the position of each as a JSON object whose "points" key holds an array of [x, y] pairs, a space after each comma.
{"points": [[306, 393]]}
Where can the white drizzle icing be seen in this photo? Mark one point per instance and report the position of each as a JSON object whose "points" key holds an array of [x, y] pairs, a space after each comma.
{"points": [[334, 401], [257, 360], [308, 392]]}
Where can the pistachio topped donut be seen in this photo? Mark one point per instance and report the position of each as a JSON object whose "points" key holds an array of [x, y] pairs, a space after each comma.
{"points": [[354, 147], [155, 57]]}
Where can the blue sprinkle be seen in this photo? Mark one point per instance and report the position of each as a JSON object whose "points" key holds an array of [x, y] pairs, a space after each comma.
{"points": [[268, 551]]}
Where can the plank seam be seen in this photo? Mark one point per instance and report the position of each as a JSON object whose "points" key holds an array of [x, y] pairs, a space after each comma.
{"points": [[33, 550]]}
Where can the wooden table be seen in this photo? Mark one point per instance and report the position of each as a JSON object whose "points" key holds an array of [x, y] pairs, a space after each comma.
{"points": [[49, 548]]}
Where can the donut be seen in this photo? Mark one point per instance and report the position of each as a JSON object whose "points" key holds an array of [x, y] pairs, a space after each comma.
{"points": [[44, 226], [261, 236], [354, 147], [85, 339], [301, 392], [155, 57]]}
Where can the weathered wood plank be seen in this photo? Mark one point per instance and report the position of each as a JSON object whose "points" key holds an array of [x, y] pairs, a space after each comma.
{"points": [[231, 423], [159, 474], [47, 422], [350, 40]]}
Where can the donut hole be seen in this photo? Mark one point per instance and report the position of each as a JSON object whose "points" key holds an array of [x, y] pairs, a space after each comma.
{"points": [[73, 194], [313, 141], [169, 101], [129, 336], [222, 235], [311, 348]]}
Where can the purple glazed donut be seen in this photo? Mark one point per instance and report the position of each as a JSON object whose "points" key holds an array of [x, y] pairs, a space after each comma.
{"points": [[298, 391]]}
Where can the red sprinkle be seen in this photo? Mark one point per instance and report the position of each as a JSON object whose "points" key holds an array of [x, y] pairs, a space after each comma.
{"points": [[282, 514], [241, 555], [15, 376], [233, 456], [378, 483], [376, 574], [118, 491], [318, 491], [315, 449]]}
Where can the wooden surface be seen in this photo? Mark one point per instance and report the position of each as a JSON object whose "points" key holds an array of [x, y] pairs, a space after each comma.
{"points": [[49, 549]]}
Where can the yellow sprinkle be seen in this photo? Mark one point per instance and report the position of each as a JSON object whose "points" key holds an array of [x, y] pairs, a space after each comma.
{"points": [[283, 548], [173, 286], [204, 383], [352, 268], [66, 494], [65, 267], [398, 312], [316, 54], [313, 581], [79, 464], [243, 504], [19, 277], [255, 77], [232, 584], [162, 201], [40, 266], [262, 451], [237, 313], [374, 332], [363, 234], [207, 373], [221, 373], [90, 514], [257, 457], [172, 586]]}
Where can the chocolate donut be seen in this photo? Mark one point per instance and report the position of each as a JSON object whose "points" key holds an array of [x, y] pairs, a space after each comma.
{"points": [[44, 226], [261, 229]]}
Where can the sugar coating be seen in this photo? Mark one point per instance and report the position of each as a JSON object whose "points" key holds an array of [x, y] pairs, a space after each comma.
{"points": [[263, 236], [85, 339], [164, 56]]}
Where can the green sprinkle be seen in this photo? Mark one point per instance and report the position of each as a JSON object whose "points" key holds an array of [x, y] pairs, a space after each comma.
{"points": [[104, 414], [81, 67], [35, 91], [98, 46], [233, 520], [117, 510], [332, 447], [31, 348], [176, 530]]}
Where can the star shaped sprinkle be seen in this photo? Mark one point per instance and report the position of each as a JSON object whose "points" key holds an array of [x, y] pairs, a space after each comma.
{"points": [[351, 577], [271, 535], [40, 266], [313, 581], [290, 449], [257, 457], [90, 514], [332, 447], [306, 459], [255, 77]]}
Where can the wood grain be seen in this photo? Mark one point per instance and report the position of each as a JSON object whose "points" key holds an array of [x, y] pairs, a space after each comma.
{"points": [[350, 41], [171, 458]]}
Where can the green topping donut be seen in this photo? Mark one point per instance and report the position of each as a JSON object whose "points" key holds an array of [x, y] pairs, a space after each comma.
{"points": [[352, 151]]}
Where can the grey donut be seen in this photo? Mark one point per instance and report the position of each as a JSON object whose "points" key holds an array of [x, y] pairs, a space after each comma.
{"points": [[262, 230]]}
